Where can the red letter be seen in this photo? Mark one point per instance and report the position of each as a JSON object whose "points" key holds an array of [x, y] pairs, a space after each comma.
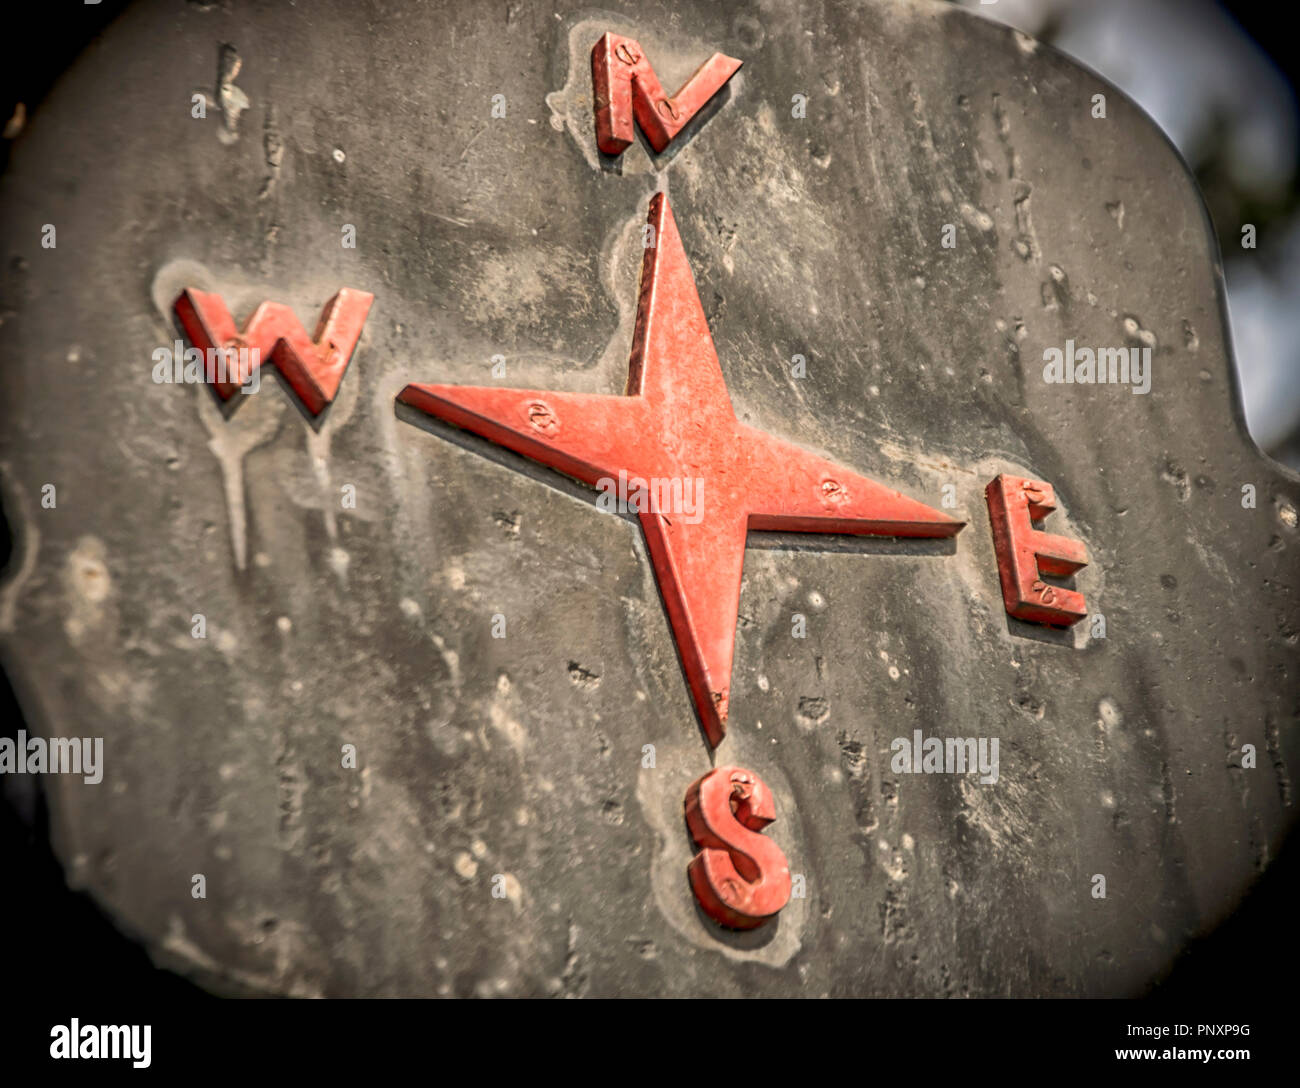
{"points": [[624, 82]]}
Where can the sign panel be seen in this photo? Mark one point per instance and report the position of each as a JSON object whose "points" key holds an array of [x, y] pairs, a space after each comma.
{"points": [[781, 536]]}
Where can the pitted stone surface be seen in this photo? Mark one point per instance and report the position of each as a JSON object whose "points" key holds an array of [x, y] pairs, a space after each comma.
{"points": [[517, 763]]}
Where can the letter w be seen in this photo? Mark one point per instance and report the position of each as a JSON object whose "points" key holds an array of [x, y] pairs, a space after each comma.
{"points": [[625, 82], [312, 366]]}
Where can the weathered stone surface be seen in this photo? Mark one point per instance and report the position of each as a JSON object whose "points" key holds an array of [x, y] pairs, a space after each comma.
{"points": [[522, 757]]}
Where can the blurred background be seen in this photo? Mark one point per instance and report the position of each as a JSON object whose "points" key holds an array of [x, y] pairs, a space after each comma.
{"points": [[1219, 79]]}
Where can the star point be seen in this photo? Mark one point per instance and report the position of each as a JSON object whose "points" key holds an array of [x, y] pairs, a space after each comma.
{"points": [[676, 422]]}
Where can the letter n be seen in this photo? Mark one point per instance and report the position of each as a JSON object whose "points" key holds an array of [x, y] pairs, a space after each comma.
{"points": [[626, 86]]}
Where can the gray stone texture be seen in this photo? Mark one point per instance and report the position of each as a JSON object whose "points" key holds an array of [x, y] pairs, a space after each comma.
{"points": [[521, 757]]}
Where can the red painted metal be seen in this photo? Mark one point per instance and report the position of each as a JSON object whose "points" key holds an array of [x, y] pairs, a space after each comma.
{"points": [[1025, 554], [626, 86], [740, 877], [675, 422], [312, 366]]}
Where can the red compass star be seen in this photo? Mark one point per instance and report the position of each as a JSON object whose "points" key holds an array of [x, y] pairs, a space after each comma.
{"points": [[676, 423]]}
